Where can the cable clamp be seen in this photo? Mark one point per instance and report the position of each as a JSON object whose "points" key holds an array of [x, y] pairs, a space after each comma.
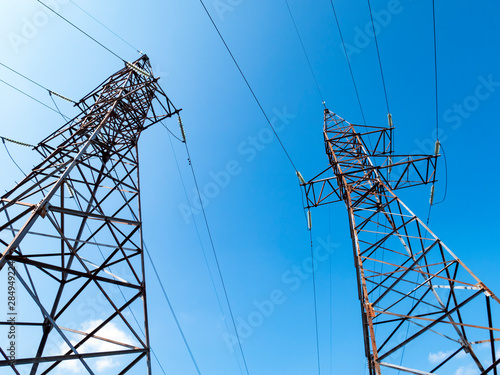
{"points": [[369, 311], [485, 289]]}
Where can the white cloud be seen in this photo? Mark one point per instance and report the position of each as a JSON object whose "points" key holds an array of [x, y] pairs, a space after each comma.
{"points": [[74, 366], [439, 356], [109, 331], [466, 370], [106, 363]]}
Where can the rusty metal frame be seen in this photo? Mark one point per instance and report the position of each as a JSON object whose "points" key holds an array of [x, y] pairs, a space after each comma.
{"points": [[414, 292], [76, 215]]}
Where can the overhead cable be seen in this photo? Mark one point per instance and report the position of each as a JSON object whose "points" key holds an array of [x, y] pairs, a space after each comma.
{"points": [[116, 277], [174, 315], [438, 144], [10, 156], [199, 238], [103, 25], [216, 258], [305, 53], [29, 96], [379, 62], [348, 62], [248, 85], [315, 302], [79, 29], [435, 68]]}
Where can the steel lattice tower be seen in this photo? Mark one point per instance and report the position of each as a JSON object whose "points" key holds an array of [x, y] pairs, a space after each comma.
{"points": [[416, 296], [72, 230]]}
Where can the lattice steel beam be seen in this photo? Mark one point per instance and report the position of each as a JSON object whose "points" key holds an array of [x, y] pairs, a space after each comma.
{"points": [[72, 229], [416, 295]]}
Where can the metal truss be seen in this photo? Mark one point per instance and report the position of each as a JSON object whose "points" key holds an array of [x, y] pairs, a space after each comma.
{"points": [[72, 231], [423, 310]]}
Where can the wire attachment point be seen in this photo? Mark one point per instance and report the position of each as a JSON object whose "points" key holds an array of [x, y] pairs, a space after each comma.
{"points": [[431, 200], [70, 190], [301, 179], [15, 142], [61, 96], [137, 69], [437, 147]]}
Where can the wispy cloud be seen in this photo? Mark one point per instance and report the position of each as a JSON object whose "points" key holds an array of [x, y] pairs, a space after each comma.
{"points": [[110, 331], [439, 356], [466, 370]]}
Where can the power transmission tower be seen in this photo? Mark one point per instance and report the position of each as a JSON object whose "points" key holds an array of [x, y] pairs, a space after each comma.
{"points": [[423, 311], [71, 233]]}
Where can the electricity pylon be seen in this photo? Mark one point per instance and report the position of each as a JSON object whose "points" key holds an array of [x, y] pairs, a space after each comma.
{"points": [[71, 237], [423, 311]]}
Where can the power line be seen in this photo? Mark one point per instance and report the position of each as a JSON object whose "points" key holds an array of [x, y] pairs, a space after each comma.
{"points": [[438, 145], [125, 299], [308, 220], [152, 263], [83, 32], [50, 92], [379, 59], [123, 295], [435, 68], [446, 176], [99, 248], [350, 70], [331, 295], [215, 255], [103, 25], [66, 118], [305, 53], [29, 96], [248, 85], [11, 158], [173, 135], [199, 238], [38, 84], [348, 62], [140, 328], [152, 350], [22, 75], [315, 301], [172, 311], [174, 315]]}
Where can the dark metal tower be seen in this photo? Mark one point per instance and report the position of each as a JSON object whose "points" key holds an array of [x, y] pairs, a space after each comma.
{"points": [[423, 310], [71, 237]]}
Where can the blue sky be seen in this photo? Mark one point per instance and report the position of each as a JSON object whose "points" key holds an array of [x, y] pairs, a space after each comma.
{"points": [[255, 214]]}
